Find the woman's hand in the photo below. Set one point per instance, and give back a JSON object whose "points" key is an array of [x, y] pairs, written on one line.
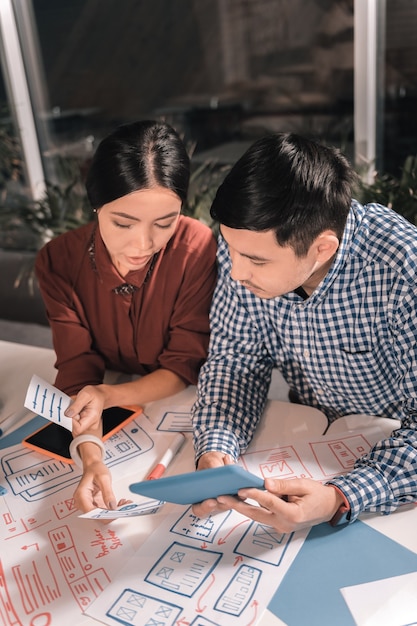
{"points": [[86, 409], [88, 405], [95, 489]]}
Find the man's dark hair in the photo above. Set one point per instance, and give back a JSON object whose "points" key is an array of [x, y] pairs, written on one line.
{"points": [[289, 184], [137, 156]]}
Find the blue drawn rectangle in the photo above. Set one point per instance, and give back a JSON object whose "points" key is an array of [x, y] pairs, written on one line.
{"points": [[202, 529], [263, 543], [203, 621], [239, 591], [182, 569], [138, 609], [33, 477], [176, 421]]}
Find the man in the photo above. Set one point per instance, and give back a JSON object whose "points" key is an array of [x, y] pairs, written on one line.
{"points": [[324, 289]]}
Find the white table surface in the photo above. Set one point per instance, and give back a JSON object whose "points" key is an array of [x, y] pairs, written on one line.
{"points": [[19, 362]]}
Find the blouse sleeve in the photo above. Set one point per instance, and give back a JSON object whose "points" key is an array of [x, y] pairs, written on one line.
{"points": [[186, 349], [77, 363]]}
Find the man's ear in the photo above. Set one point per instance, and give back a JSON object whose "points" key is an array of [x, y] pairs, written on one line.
{"points": [[326, 245]]}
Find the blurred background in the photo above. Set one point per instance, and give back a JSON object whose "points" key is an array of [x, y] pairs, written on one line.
{"points": [[222, 72]]}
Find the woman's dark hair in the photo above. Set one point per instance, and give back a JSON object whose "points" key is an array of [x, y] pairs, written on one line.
{"points": [[289, 184], [138, 156]]}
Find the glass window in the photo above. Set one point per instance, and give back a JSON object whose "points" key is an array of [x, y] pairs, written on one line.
{"points": [[12, 175], [10, 154], [400, 118], [222, 72]]}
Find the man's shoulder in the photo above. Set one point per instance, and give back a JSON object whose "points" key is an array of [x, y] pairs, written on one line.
{"points": [[379, 229], [388, 238], [381, 218]]}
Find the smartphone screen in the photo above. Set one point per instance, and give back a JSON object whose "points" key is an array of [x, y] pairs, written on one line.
{"points": [[54, 440]]}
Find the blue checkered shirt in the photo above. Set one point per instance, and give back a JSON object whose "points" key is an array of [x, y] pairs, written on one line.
{"points": [[349, 348]]}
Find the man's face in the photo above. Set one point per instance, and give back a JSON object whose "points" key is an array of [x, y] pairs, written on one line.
{"points": [[267, 269]]}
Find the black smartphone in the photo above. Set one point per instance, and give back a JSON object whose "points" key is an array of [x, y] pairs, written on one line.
{"points": [[54, 440]]}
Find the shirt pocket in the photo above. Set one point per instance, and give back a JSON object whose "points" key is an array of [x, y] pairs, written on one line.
{"points": [[358, 365], [358, 339]]}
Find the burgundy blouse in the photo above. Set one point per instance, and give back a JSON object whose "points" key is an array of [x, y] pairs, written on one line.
{"points": [[156, 317]]}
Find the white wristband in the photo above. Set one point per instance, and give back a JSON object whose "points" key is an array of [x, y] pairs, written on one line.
{"points": [[73, 449]]}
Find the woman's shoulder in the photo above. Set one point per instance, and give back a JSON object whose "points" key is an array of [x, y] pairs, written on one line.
{"points": [[190, 254], [64, 248], [72, 237]]}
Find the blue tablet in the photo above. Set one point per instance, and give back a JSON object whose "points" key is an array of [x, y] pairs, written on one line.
{"points": [[198, 486]]}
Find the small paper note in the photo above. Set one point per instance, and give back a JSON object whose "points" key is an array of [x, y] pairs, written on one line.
{"points": [[48, 402], [127, 510]]}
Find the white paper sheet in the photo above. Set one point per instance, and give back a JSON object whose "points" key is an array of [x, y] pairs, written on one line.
{"points": [[222, 569], [388, 602]]}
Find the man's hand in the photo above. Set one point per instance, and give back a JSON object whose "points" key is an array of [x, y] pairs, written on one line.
{"points": [[207, 461], [286, 505], [214, 459], [86, 409]]}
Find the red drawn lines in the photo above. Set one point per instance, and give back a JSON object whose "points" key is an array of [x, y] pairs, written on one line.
{"points": [[7, 612], [85, 585], [36, 590]]}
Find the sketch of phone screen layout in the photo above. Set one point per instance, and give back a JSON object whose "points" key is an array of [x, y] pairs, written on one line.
{"points": [[34, 477], [54, 440]]}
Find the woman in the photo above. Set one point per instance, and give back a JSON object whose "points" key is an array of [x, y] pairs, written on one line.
{"points": [[128, 292]]}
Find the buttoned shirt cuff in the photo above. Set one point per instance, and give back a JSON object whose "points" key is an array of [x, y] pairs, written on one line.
{"points": [[216, 440], [365, 490], [342, 515]]}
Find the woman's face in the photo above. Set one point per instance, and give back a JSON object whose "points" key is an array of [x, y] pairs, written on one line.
{"points": [[137, 226]]}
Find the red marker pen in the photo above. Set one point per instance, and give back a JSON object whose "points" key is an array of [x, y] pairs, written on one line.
{"points": [[167, 457]]}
